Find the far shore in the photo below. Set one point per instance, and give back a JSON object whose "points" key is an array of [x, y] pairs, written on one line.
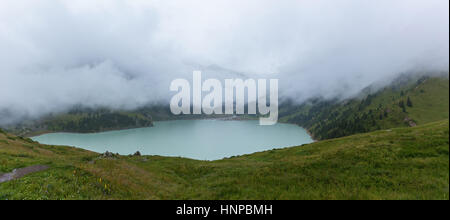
{"points": [[215, 117]]}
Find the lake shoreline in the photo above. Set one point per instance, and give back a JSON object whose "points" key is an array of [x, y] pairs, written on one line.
{"points": [[201, 139], [223, 118]]}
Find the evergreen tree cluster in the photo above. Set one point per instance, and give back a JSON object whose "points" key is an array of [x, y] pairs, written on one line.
{"points": [[99, 121], [333, 119], [327, 119]]}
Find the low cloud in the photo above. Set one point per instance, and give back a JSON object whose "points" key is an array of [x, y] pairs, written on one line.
{"points": [[123, 54]]}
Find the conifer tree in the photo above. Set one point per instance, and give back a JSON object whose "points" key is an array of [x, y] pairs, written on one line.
{"points": [[409, 103]]}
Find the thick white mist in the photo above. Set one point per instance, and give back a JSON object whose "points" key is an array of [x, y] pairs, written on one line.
{"points": [[124, 54]]}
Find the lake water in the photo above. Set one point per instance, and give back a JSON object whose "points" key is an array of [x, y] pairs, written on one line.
{"points": [[197, 139]]}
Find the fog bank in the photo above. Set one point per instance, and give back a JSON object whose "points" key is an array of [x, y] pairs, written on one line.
{"points": [[124, 54]]}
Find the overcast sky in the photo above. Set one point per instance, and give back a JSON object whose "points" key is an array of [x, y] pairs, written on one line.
{"points": [[123, 54]]}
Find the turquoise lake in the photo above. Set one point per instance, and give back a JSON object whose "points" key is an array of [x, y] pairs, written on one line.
{"points": [[196, 139]]}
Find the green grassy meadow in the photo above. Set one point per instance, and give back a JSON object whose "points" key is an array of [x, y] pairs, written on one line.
{"points": [[399, 163]]}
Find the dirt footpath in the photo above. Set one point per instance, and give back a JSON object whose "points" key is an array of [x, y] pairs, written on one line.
{"points": [[17, 173]]}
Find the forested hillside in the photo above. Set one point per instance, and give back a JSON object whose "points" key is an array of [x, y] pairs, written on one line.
{"points": [[405, 103], [87, 120], [84, 121]]}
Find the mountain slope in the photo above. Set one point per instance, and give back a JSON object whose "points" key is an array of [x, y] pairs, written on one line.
{"points": [[401, 163], [88, 120], [404, 103], [83, 121]]}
